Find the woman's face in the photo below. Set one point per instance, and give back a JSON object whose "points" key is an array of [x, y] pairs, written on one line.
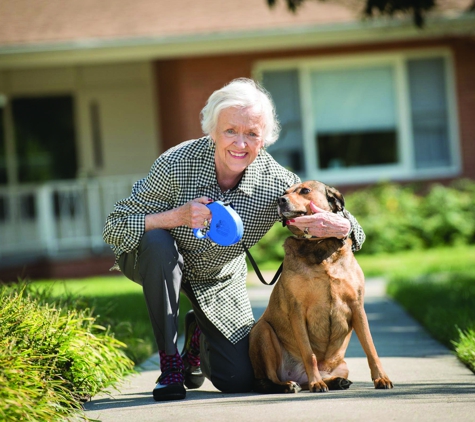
{"points": [[238, 137]]}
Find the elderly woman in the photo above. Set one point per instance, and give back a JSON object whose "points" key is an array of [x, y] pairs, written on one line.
{"points": [[152, 237]]}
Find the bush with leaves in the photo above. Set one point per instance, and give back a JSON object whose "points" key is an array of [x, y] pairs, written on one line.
{"points": [[52, 358], [390, 217]]}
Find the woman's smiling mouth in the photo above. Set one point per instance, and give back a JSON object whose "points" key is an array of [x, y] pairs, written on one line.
{"points": [[237, 154]]}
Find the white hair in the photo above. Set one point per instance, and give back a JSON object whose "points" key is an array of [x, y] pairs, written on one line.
{"points": [[241, 92]]}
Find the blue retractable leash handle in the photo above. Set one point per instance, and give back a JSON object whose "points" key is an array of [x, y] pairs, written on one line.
{"points": [[226, 226], [226, 229]]}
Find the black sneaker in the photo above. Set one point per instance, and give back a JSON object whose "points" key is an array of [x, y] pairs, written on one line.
{"points": [[194, 378], [164, 392]]}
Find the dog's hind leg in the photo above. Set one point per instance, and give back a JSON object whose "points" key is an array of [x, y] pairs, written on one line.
{"points": [[337, 383], [266, 358], [337, 379]]}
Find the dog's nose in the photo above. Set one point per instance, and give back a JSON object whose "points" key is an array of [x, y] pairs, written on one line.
{"points": [[282, 200]]}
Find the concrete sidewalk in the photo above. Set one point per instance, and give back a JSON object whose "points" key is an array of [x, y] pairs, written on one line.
{"points": [[430, 383]]}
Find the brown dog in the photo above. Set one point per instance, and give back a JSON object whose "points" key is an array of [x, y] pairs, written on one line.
{"points": [[301, 339]]}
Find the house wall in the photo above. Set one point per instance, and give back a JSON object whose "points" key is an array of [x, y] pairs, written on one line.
{"points": [[464, 52], [185, 84], [125, 99]]}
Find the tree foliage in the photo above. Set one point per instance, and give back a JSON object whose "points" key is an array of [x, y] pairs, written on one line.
{"points": [[417, 9]]}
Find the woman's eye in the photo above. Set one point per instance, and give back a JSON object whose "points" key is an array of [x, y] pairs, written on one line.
{"points": [[230, 131], [304, 191]]}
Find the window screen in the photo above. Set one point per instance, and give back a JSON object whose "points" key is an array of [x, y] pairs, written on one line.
{"points": [[355, 117], [428, 101], [284, 89]]}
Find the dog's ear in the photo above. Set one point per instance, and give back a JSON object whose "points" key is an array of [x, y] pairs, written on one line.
{"points": [[335, 199]]}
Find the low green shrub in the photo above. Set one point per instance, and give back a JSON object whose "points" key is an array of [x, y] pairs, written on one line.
{"points": [[52, 357], [390, 216], [465, 348]]}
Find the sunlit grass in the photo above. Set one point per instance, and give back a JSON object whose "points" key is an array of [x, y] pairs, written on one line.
{"points": [[413, 262], [119, 303], [407, 262], [444, 304]]}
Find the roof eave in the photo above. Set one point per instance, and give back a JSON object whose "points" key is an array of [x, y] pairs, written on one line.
{"points": [[216, 43]]}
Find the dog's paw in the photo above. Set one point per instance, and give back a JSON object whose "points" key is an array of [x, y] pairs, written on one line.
{"points": [[318, 387], [293, 387], [338, 383], [383, 383]]}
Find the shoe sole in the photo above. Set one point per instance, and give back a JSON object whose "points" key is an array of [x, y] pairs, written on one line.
{"points": [[193, 381], [170, 393]]}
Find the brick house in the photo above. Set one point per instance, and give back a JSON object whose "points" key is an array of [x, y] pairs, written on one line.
{"points": [[91, 92]]}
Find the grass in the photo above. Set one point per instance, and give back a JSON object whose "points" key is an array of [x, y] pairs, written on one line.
{"points": [[425, 261], [428, 261], [444, 304]]}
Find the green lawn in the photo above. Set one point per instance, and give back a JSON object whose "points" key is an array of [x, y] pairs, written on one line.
{"points": [[460, 258], [120, 304], [117, 302]]}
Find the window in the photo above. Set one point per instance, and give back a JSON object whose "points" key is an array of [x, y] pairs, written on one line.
{"points": [[3, 158], [429, 115], [365, 119], [284, 87]]}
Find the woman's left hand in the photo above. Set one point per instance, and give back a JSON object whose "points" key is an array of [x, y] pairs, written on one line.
{"points": [[322, 223]]}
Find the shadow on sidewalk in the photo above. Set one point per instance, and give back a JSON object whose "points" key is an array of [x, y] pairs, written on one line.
{"points": [[360, 390]]}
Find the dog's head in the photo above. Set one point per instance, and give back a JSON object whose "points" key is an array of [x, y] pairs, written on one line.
{"points": [[296, 201]]}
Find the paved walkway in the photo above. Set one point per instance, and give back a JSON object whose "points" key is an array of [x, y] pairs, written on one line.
{"points": [[430, 383]]}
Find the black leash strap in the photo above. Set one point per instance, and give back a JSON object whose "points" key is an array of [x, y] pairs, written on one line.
{"points": [[256, 268]]}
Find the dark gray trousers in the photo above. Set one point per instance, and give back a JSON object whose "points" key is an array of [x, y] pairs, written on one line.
{"points": [[159, 271]]}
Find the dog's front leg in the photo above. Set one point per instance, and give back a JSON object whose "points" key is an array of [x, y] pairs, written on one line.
{"points": [[361, 327], [299, 329]]}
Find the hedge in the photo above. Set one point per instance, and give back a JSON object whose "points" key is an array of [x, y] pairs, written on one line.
{"points": [[52, 357]]}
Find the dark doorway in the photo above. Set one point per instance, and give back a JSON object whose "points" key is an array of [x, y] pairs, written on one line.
{"points": [[3, 155], [45, 138]]}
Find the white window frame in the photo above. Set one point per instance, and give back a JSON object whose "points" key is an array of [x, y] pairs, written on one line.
{"points": [[405, 169]]}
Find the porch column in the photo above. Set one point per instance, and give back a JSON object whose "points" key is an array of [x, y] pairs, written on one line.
{"points": [[94, 204], [47, 219]]}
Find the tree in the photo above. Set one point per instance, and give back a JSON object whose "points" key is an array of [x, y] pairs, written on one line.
{"points": [[370, 8]]}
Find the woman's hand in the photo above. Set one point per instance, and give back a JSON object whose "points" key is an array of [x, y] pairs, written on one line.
{"points": [[322, 223], [194, 214]]}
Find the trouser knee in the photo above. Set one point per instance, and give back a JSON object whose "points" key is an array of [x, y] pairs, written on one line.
{"points": [[158, 247], [234, 382], [226, 365]]}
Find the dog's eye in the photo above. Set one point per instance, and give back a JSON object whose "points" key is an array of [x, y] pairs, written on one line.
{"points": [[304, 191]]}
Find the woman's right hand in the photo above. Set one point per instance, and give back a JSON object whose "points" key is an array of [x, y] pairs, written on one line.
{"points": [[196, 214]]}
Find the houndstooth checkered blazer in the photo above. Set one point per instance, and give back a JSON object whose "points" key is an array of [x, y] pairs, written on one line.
{"points": [[217, 274]]}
